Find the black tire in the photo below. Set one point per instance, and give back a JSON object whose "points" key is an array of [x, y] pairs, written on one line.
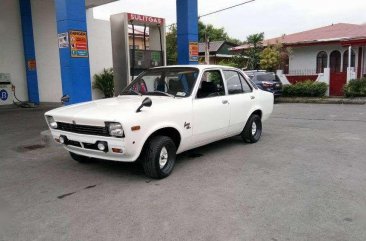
{"points": [[80, 158], [247, 134], [151, 157]]}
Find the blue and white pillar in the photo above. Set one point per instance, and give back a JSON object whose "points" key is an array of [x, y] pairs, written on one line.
{"points": [[75, 71], [187, 29], [29, 51]]}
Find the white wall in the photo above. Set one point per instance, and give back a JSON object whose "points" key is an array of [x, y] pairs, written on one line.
{"points": [[100, 47], [304, 58], [47, 53], [11, 46]]}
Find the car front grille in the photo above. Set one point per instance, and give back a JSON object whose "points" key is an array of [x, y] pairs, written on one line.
{"points": [[83, 129]]}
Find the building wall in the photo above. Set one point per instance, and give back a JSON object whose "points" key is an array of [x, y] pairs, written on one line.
{"points": [[303, 59], [47, 54], [11, 46], [100, 47]]}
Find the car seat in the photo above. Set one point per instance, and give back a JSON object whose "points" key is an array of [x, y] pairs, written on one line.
{"points": [[207, 88]]}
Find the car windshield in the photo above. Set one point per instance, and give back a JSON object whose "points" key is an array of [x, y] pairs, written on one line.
{"points": [[164, 81]]}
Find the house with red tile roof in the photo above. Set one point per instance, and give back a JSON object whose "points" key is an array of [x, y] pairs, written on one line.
{"points": [[333, 54]]}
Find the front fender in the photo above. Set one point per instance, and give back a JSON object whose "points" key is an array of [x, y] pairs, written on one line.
{"points": [[153, 129]]}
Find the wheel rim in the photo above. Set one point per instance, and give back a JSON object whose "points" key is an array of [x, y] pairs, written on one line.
{"points": [[163, 158], [254, 128]]}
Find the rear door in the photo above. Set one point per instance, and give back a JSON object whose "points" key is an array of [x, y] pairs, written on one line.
{"points": [[241, 100], [210, 109]]}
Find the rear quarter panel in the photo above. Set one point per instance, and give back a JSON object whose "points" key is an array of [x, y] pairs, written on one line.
{"points": [[264, 102]]}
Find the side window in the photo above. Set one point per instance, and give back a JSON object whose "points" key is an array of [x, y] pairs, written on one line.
{"points": [[234, 85], [246, 87], [211, 84]]}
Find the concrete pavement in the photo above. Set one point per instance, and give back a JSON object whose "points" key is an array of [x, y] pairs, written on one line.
{"points": [[305, 180]]}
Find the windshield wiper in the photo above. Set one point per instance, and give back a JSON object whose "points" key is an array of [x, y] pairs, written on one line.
{"points": [[161, 92], [130, 91]]}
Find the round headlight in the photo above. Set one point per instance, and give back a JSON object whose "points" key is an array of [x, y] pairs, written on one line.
{"points": [[115, 129], [51, 122]]}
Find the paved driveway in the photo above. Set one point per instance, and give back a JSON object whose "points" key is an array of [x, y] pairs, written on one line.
{"points": [[305, 180]]}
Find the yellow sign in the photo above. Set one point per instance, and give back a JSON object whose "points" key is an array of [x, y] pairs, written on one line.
{"points": [[78, 44]]}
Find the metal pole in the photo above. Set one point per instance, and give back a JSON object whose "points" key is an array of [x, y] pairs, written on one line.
{"points": [[133, 51], [145, 37]]}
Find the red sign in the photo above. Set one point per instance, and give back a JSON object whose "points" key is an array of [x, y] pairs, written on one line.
{"points": [[81, 46], [145, 19]]}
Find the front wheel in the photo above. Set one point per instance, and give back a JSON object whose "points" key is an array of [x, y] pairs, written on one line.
{"points": [[253, 129], [158, 159]]}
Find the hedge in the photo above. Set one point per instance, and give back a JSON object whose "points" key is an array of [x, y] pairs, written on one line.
{"points": [[306, 88], [355, 88]]}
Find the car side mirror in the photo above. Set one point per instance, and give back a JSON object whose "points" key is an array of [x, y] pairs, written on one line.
{"points": [[145, 103], [65, 99]]}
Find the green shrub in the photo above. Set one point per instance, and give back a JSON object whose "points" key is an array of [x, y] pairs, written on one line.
{"points": [[355, 88], [307, 88], [104, 82]]}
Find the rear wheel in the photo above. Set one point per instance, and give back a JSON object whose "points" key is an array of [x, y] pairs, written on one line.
{"points": [[253, 129], [159, 156], [80, 158]]}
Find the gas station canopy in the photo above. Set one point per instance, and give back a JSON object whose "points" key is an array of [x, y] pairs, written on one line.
{"points": [[96, 3]]}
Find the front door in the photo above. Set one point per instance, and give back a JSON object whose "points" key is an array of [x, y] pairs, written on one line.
{"points": [[337, 82], [210, 109], [337, 78]]}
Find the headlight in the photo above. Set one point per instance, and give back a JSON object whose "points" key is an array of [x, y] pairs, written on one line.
{"points": [[115, 129], [51, 122]]}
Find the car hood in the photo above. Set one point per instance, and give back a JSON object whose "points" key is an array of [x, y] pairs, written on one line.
{"points": [[111, 109]]}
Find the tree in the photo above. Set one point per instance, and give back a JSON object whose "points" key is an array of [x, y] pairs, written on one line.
{"points": [[274, 57], [214, 34], [270, 58], [171, 45], [255, 44]]}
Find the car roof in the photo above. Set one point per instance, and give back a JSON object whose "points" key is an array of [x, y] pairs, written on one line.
{"points": [[198, 66], [264, 73]]}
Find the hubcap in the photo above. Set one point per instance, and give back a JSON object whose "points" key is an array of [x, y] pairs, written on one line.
{"points": [[254, 128], [163, 159]]}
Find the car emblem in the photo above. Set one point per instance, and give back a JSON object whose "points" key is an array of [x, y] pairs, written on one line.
{"points": [[187, 125]]}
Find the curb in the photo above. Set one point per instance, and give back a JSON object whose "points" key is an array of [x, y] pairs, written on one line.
{"points": [[310, 100]]}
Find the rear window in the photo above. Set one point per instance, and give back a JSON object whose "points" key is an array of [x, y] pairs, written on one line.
{"points": [[266, 77]]}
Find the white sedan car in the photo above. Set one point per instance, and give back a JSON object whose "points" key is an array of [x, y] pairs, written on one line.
{"points": [[163, 112]]}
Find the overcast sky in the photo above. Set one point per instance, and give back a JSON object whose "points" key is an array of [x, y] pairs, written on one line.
{"points": [[273, 17]]}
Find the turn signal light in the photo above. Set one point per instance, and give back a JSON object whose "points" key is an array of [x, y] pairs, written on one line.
{"points": [[135, 128], [117, 150]]}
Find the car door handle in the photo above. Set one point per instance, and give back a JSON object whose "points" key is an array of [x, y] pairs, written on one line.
{"points": [[225, 102], [252, 97]]}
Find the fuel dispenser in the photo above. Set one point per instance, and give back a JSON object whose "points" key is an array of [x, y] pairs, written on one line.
{"points": [[6, 90], [129, 62]]}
